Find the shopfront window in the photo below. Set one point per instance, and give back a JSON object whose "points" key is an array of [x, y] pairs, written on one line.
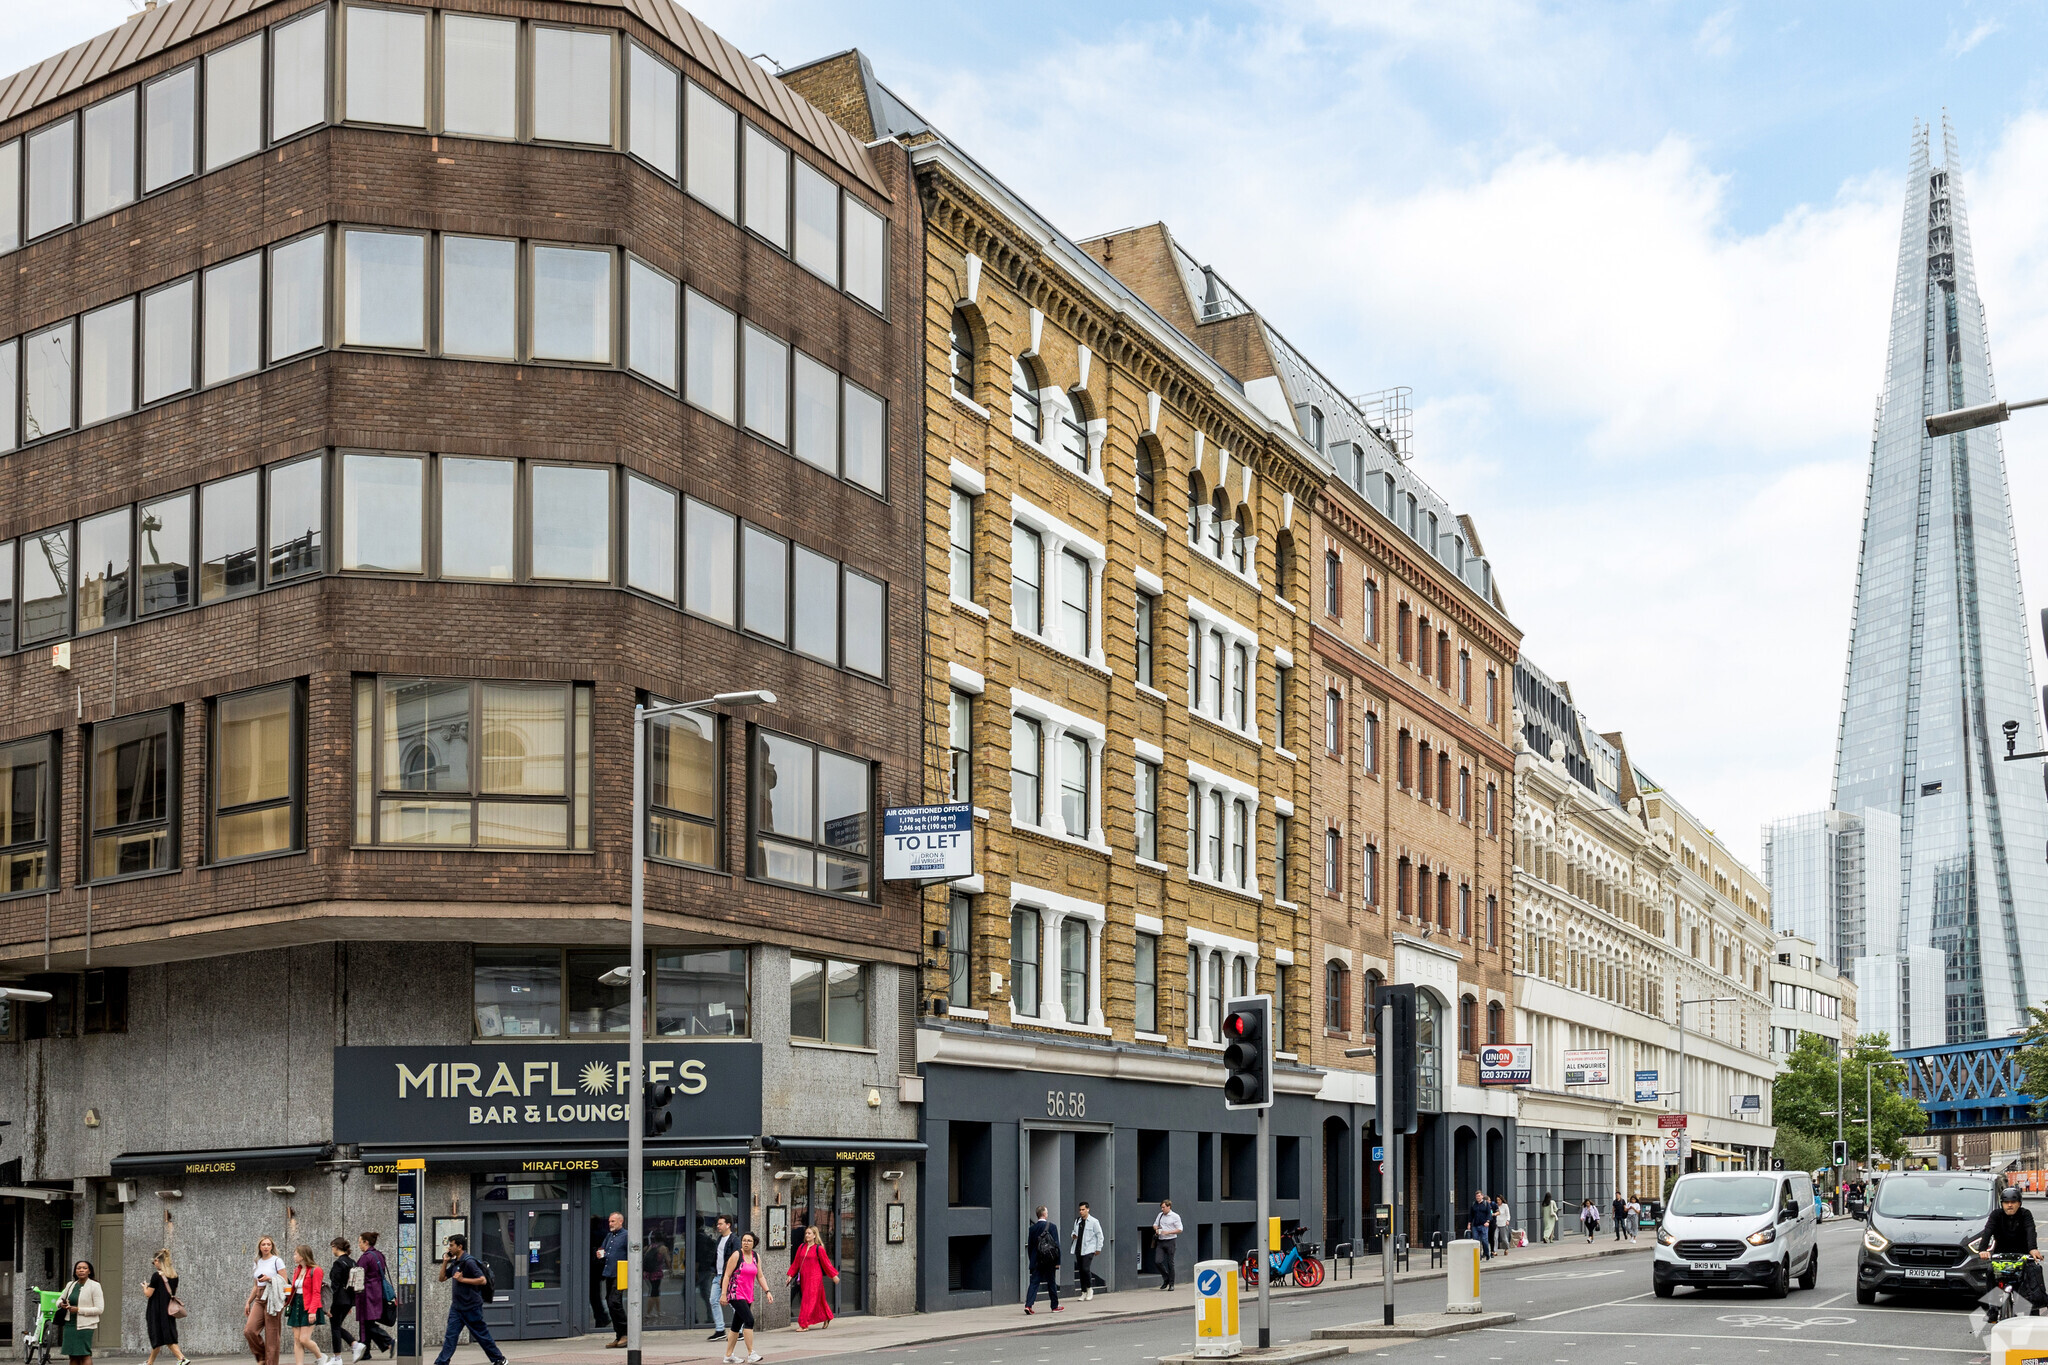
{"points": [[518, 992], [701, 994], [828, 1198], [1429, 1094], [828, 1001], [679, 1270], [597, 1005]]}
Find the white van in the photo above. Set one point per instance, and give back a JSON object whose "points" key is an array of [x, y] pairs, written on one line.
{"points": [[1738, 1228]]}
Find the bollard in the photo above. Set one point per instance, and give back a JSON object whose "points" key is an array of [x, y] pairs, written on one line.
{"points": [[1461, 1293], [1216, 1309], [2017, 1341]]}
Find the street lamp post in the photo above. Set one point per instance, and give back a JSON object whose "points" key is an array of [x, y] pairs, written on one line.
{"points": [[1983, 415], [635, 974], [1700, 1000]]}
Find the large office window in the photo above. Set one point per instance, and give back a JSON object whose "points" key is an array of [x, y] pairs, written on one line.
{"points": [[383, 500], [683, 786], [828, 1001], [653, 322], [169, 343], [46, 577], [713, 137], [10, 195], [385, 57], [107, 164], [298, 296], [572, 85], [701, 994], [479, 75], [298, 74], [816, 437], [814, 605], [1026, 943], [384, 289], [479, 296], [296, 508], [10, 391], [710, 355], [103, 570], [653, 111], [572, 303], [651, 538], [812, 812], [7, 596], [133, 795], [164, 553], [256, 777], [52, 177], [1027, 564], [766, 174], [234, 102], [867, 255], [816, 242], [572, 522], [1027, 767], [863, 439], [767, 385], [764, 584], [170, 124], [477, 510], [455, 761], [47, 358], [28, 792], [106, 362], [710, 553]]}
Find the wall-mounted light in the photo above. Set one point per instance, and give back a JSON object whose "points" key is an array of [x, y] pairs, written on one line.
{"points": [[282, 1189], [170, 1194]]}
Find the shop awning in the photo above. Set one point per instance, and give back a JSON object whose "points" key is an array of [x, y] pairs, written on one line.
{"points": [[847, 1149], [538, 1157], [225, 1161], [1711, 1150]]}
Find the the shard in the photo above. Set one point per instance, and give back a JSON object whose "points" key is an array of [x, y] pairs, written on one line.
{"points": [[1938, 658]]}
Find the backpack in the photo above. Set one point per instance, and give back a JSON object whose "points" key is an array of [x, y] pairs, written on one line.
{"points": [[489, 1291], [1045, 1247]]}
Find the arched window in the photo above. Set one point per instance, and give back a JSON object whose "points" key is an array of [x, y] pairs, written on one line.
{"points": [[1219, 523], [1198, 498], [1148, 480], [1373, 982], [1073, 434], [1336, 992], [1283, 563], [1496, 1024], [1468, 1024], [1429, 1018], [960, 357], [1333, 585], [1240, 545], [1333, 720], [1026, 419]]}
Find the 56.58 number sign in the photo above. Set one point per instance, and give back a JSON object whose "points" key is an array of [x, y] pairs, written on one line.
{"points": [[1066, 1104]]}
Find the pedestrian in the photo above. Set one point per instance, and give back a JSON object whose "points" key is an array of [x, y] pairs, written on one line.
{"points": [[308, 1306], [1620, 1215], [1549, 1233], [1479, 1223], [376, 1307], [1589, 1217], [263, 1311], [159, 1293], [1166, 1227], [611, 1254], [1086, 1243], [715, 1272], [1635, 1216], [84, 1300], [1042, 1251], [742, 1281], [465, 1303], [809, 1268], [654, 1265], [1503, 1218], [341, 1300]]}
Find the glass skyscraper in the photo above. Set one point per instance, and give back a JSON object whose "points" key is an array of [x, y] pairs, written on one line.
{"points": [[1938, 657]]}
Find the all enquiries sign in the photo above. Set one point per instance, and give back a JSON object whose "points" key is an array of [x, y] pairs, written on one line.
{"points": [[928, 843], [1585, 1066]]}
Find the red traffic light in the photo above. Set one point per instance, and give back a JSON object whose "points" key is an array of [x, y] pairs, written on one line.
{"points": [[1241, 1027]]}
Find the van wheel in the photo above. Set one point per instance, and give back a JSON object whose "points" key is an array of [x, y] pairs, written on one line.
{"points": [[1780, 1283], [1864, 1296], [1663, 1288], [1811, 1274]]}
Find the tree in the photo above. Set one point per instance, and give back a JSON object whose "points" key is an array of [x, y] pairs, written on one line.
{"points": [[2031, 1061], [1798, 1151], [1803, 1096]]}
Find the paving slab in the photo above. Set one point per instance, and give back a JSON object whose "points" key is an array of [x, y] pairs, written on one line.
{"points": [[1413, 1325], [1290, 1354]]}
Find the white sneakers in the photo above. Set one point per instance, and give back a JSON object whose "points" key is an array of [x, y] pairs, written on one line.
{"points": [[360, 1347]]}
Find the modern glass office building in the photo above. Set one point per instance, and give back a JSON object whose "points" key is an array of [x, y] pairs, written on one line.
{"points": [[1938, 657]]}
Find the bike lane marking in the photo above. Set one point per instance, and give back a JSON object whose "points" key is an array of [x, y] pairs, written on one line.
{"points": [[1612, 1303]]}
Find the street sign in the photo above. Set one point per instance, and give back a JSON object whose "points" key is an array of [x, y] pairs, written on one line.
{"points": [[1671, 1120], [1670, 1149], [1216, 1309], [1585, 1066], [1646, 1087], [1745, 1104], [1507, 1063], [927, 843]]}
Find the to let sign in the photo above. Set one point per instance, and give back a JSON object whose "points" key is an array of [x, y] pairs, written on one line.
{"points": [[928, 843]]}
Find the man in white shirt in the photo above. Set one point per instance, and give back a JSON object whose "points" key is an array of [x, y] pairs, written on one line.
{"points": [[718, 1256], [1087, 1241], [1166, 1235]]}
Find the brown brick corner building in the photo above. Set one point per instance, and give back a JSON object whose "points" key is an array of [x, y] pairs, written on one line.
{"points": [[391, 397]]}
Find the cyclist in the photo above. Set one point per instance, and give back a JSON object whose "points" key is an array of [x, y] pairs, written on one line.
{"points": [[2010, 1233]]}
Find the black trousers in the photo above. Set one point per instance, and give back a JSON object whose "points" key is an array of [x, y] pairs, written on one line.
{"points": [[339, 1337], [374, 1333], [1162, 1251], [615, 1305], [1083, 1271]]}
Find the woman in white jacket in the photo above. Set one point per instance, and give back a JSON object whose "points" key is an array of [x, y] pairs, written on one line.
{"points": [[84, 1301]]}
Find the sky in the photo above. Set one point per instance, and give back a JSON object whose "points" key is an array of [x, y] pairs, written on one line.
{"points": [[1635, 261]]}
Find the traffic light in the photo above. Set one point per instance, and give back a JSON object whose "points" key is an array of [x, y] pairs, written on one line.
{"points": [[1248, 1053], [1841, 1152], [654, 1113], [1395, 1061]]}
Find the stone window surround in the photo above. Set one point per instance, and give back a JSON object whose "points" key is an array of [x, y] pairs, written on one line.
{"points": [[1056, 722], [1056, 537], [1224, 950], [1207, 619], [1207, 781], [1054, 910]]}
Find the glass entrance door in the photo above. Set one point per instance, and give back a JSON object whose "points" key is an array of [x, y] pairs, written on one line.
{"points": [[679, 1213], [517, 1233], [829, 1199]]}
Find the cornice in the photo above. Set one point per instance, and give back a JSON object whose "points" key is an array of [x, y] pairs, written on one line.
{"points": [[1425, 577]]}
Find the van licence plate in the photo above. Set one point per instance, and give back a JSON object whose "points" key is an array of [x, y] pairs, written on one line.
{"points": [[1709, 1265], [1917, 1274]]}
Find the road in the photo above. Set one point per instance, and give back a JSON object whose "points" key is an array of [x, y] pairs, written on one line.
{"points": [[1578, 1313]]}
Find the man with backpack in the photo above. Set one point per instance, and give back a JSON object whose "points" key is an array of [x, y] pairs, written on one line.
{"points": [[1042, 1250], [469, 1292]]}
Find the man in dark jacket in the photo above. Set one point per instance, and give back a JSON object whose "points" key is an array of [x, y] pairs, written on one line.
{"points": [[2010, 1233], [465, 1302], [1479, 1223], [1042, 1253], [611, 1254], [1620, 1215]]}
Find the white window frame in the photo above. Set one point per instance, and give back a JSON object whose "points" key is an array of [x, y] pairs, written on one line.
{"points": [[1055, 537], [1212, 621], [1056, 723], [1054, 910], [1210, 785]]}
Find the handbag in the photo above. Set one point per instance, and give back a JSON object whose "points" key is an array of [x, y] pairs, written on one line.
{"points": [[174, 1307]]}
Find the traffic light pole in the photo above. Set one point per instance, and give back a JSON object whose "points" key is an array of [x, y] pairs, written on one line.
{"points": [[636, 1048], [1390, 1143], [1265, 1228]]}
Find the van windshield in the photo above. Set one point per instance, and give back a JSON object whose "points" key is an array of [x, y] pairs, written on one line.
{"points": [[1934, 1196], [1725, 1197]]}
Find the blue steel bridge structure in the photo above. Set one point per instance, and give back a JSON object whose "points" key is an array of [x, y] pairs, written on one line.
{"points": [[1971, 1087]]}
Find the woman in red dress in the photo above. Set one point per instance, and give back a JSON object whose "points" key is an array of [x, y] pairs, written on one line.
{"points": [[808, 1271]]}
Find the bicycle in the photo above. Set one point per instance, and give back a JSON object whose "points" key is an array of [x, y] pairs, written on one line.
{"points": [[1298, 1260], [39, 1344], [2004, 1299]]}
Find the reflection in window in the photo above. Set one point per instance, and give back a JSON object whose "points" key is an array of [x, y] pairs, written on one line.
{"points": [[382, 512], [572, 530], [298, 74], [164, 541], [518, 992], [384, 288], [234, 102], [714, 151], [103, 570], [387, 66], [26, 801], [767, 362], [653, 96], [10, 394], [811, 815], [228, 557], [1428, 1055], [709, 557], [650, 538], [867, 256], [682, 788], [108, 163], [46, 585], [597, 1005], [572, 303], [134, 791], [1025, 943], [47, 367], [255, 773], [479, 295], [816, 244], [814, 599], [169, 144], [651, 330], [298, 296], [167, 339], [297, 517], [52, 177], [572, 86], [816, 438], [106, 362], [701, 994], [764, 584], [479, 75], [865, 453], [866, 608], [476, 517], [233, 316], [828, 1001], [767, 185], [708, 349]]}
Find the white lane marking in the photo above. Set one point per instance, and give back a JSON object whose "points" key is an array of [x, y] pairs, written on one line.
{"points": [[1611, 1303], [1825, 1302], [1729, 1336], [1574, 1274]]}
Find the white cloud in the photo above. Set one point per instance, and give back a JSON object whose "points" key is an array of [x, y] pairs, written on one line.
{"points": [[1716, 36], [1959, 43]]}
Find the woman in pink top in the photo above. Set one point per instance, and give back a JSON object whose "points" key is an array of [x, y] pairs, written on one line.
{"points": [[742, 1282]]}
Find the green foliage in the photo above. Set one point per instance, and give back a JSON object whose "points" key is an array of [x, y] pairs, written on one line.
{"points": [[1798, 1151], [1805, 1092], [2032, 1059]]}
